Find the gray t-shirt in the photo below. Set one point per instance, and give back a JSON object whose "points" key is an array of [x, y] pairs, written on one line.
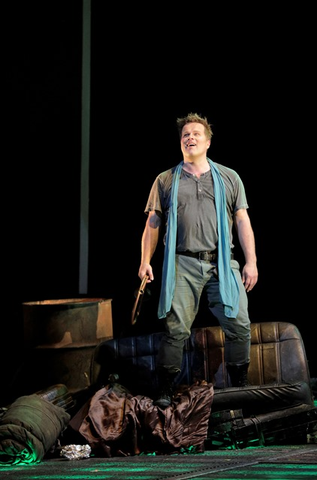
{"points": [[196, 213]]}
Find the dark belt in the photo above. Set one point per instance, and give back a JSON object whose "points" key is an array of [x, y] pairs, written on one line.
{"points": [[205, 256]]}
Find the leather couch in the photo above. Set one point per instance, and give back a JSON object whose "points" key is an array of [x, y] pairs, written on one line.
{"points": [[279, 376]]}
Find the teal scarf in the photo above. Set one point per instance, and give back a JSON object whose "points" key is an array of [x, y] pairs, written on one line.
{"points": [[228, 286]]}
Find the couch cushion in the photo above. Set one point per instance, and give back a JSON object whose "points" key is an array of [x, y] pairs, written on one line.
{"points": [[278, 359]]}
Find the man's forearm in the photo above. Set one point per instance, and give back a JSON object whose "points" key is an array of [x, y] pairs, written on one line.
{"points": [[149, 242]]}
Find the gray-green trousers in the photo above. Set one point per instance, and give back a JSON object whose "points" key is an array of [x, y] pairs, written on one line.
{"points": [[193, 277]]}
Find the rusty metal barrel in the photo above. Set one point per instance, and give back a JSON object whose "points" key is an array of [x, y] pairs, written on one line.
{"points": [[60, 337]]}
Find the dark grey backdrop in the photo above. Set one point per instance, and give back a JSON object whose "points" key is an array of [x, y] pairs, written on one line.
{"points": [[253, 79]]}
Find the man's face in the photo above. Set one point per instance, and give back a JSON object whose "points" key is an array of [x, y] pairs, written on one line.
{"points": [[194, 141]]}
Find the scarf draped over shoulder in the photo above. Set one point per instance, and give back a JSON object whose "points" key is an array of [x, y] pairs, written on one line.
{"points": [[228, 286]]}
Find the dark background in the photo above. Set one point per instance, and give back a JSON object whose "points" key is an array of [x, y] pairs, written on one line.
{"points": [[250, 72]]}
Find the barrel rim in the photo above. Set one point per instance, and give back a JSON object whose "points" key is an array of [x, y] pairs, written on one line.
{"points": [[66, 301]]}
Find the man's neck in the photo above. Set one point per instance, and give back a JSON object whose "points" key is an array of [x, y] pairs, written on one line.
{"points": [[196, 166]]}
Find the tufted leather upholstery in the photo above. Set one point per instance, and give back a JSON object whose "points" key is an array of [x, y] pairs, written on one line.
{"points": [[279, 376]]}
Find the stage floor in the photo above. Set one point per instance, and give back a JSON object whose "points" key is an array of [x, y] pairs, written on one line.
{"points": [[297, 462]]}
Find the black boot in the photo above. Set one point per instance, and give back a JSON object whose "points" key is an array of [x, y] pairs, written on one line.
{"points": [[165, 395], [238, 375]]}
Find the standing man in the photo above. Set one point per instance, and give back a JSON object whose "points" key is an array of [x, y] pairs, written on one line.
{"points": [[197, 203]]}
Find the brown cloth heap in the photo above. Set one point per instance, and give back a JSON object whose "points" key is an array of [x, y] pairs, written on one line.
{"points": [[116, 423]]}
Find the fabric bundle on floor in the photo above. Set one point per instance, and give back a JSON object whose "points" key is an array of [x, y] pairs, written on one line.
{"points": [[29, 429], [116, 423]]}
